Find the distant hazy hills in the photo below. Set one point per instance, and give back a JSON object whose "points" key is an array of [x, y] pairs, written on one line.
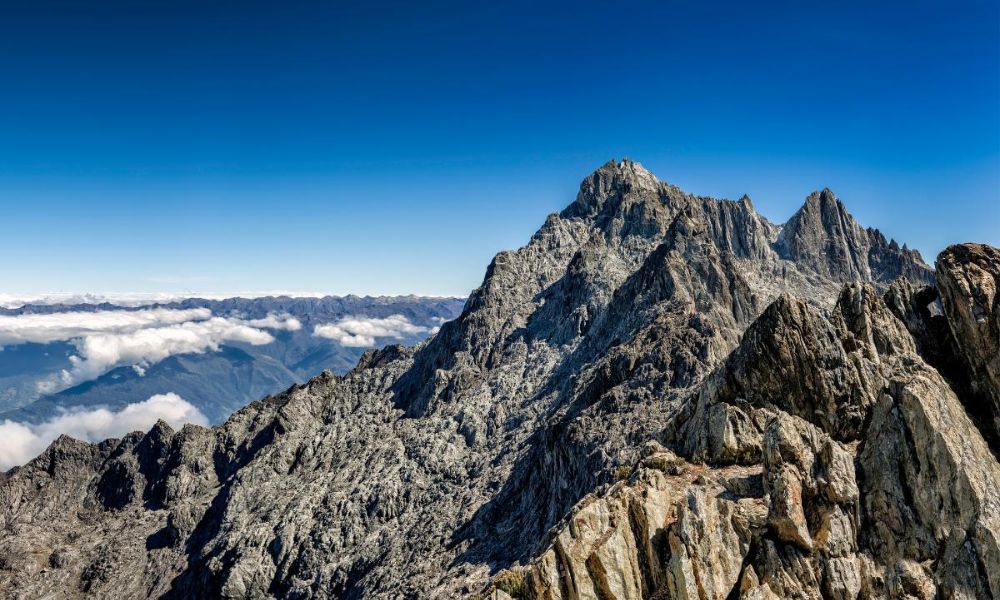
{"points": [[217, 355]]}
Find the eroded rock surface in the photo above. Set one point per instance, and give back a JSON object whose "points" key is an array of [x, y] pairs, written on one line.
{"points": [[969, 283], [659, 396], [874, 480]]}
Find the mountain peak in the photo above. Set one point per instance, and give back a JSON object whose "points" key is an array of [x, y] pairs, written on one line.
{"points": [[822, 197], [610, 180], [824, 236]]}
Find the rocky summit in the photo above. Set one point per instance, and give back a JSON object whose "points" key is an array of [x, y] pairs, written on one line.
{"points": [[661, 395]]}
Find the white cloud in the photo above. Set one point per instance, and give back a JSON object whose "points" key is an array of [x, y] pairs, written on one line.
{"points": [[100, 353], [20, 442], [286, 322], [107, 339], [68, 325], [361, 331]]}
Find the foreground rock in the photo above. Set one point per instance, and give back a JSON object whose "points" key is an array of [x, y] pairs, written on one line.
{"points": [[660, 395], [969, 284], [872, 479]]}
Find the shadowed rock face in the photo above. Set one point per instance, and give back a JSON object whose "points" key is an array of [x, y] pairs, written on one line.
{"points": [[660, 395], [969, 284]]}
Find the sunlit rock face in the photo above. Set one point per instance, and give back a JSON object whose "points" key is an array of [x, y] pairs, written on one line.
{"points": [[659, 396]]}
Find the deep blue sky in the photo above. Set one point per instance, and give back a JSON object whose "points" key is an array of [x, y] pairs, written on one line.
{"points": [[394, 147]]}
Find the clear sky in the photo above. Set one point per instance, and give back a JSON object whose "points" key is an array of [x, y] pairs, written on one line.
{"points": [[394, 147]]}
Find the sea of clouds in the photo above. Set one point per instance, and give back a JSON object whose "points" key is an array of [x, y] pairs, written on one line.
{"points": [[108, 339], [104, 340], [21, 442]]}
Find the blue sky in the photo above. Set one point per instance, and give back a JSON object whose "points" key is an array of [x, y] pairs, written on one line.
{"points": [[394, 147]]}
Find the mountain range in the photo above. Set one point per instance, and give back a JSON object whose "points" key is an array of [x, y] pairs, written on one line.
{"points": [[660, 395]]}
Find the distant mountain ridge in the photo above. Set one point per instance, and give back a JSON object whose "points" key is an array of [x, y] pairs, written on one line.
{"points": [[329, 305]]}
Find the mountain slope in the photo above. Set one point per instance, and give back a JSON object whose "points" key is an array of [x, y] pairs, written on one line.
{"points": [[639, 314]]}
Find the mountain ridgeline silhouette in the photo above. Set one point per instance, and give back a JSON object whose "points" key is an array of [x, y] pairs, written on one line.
{"points": [[660, 395]]}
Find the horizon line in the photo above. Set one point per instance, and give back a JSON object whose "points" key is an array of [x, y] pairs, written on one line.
{"points": [[14, 301]]}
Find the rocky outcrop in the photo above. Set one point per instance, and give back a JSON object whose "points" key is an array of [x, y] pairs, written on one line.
{"points": [[872, 479], [660, 395], [930, 497], [969, 284], [673, 528]]}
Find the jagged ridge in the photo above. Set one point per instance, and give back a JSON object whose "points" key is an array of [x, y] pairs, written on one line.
{"points": [[424, 471]]}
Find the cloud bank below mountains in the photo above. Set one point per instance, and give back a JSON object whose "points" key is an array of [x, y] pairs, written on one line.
{"points": [[359, 331], [21, 442], [102, 352], [108, 339], [45, 328]]}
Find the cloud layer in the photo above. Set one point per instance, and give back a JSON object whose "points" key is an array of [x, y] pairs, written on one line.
{"points": [[361, 331], [20, 442], [288, 323], [63, 326], [100, 353], [107, 339]]}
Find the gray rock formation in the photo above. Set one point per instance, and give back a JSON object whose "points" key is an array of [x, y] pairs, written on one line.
{"points": [[825, 237], [659, 396], [871, 479], [969, 284]]}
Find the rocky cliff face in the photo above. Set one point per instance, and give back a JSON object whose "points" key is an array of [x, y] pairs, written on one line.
{"points": [[824, 459], [660, 395], [969, 285]]}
